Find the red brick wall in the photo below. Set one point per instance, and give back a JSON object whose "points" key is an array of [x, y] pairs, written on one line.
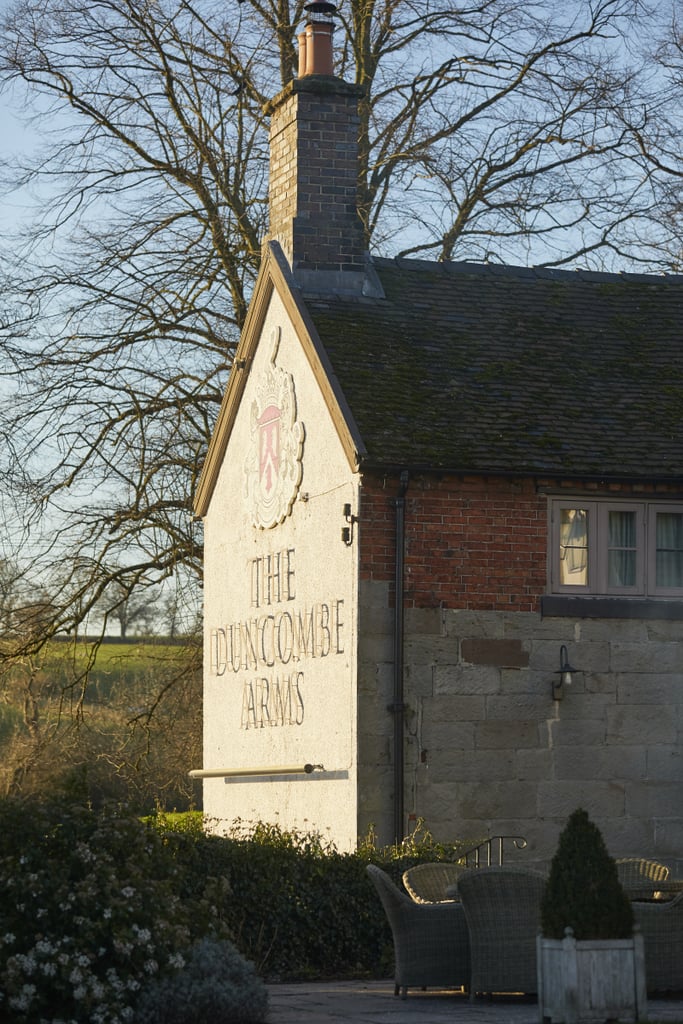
{"points": [[471, 542]]}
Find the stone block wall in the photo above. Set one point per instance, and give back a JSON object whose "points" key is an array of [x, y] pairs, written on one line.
{"points": [[487, 749]]}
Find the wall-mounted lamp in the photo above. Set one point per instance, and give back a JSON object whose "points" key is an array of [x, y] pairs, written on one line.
{"points": [[565, 675], [347, 531]]}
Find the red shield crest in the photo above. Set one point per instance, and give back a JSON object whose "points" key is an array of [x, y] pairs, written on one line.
{"points": [[269, 448]]}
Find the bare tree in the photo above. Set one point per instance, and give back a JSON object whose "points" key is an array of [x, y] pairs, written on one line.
{"points": [[130, 608], [658, 240], [11, 592], [507, 124]]}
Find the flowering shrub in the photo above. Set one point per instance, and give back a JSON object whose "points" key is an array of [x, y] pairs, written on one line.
{"points": [[216, 984], [89, 913]]}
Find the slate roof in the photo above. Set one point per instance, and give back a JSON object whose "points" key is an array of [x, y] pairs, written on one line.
{"points": [[487, 368]]}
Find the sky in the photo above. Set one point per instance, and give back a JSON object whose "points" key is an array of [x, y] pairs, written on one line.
{"points": [[15, 139]]}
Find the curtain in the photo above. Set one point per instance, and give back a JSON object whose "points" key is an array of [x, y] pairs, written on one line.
{"points": [[669, 545], [621, 558], [574, 547]]}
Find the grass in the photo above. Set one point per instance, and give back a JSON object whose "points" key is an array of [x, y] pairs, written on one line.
{"points": [[110, 667]]}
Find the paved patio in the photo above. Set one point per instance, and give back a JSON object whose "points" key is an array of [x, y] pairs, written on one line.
{"points": [[373, 1002]]}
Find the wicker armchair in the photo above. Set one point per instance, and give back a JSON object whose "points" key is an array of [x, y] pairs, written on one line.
{"points": [[503, 910], [637, 876], [427, 883], [431, 942], [661, 925]]}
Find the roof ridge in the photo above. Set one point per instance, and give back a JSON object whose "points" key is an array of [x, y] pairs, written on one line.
{"points": [[455, 267]]}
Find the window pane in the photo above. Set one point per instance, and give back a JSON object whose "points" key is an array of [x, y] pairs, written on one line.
{"points": [[574, 547], [621, 554], [669, 541]]}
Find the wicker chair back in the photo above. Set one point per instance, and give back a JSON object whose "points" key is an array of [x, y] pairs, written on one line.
{"points": [[637, 875], [503, 910], [427, 883], [431, 941], [661, 925]]}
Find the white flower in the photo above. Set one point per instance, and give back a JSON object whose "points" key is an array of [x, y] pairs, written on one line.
{"points": [[85, 853], [106, 913], [23, 1000], [97, 988], [8, 937], [27, 963], [128, 891], [151, 966], [80, 992], [176, 960], [114, 981], [49, 969]]}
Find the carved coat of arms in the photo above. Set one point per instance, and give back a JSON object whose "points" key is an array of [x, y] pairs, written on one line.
{"points": [[273, 468]]}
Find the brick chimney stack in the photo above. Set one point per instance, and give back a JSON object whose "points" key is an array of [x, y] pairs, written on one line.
{"points": [[313, 195]]}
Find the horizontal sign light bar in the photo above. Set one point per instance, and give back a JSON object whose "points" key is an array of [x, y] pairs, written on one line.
{"points": [[226, 773]]}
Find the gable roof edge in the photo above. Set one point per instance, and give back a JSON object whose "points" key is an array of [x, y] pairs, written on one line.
{"points": [[275, 275]]}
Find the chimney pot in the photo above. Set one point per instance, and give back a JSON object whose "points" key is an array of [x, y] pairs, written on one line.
{"points": [[318, 45], [315, 43], [302, 54]]}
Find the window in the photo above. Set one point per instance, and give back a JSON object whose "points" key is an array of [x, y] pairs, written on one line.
{"points": [[619, 548]]}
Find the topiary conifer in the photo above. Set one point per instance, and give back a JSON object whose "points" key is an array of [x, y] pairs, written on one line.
{"points": [[583, 891]]}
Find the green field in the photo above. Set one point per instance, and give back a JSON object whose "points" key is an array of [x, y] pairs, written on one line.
{"points": [[120, 718]]}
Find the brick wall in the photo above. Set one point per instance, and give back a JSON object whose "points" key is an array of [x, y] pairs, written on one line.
{"points": [[314, 175], [469, 542]]}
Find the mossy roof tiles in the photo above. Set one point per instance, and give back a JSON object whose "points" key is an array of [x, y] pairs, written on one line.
{"points": [[501, 369]]}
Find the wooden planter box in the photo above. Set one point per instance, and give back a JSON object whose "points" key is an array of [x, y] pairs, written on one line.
{"points": [[591, 980]]}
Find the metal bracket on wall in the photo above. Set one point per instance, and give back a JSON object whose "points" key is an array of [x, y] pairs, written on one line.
{"points": [[347, 531]]}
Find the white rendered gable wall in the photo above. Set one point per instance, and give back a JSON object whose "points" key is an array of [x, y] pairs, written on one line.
{"points": [[280, 604]]}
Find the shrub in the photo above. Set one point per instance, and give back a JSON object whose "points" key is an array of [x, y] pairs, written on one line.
{"points": [[293, 904], [96, 906], [216, 984], [583, 891], [91, 912]]}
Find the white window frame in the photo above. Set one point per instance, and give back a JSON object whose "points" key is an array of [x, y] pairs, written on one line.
{"points": [[598, 538], [656, 507]]}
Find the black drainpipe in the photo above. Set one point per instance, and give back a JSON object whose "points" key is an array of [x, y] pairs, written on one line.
{"points": [[398, 707]]}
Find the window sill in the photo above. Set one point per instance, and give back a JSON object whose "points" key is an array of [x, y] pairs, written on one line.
{"points": [[610, 607]]}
